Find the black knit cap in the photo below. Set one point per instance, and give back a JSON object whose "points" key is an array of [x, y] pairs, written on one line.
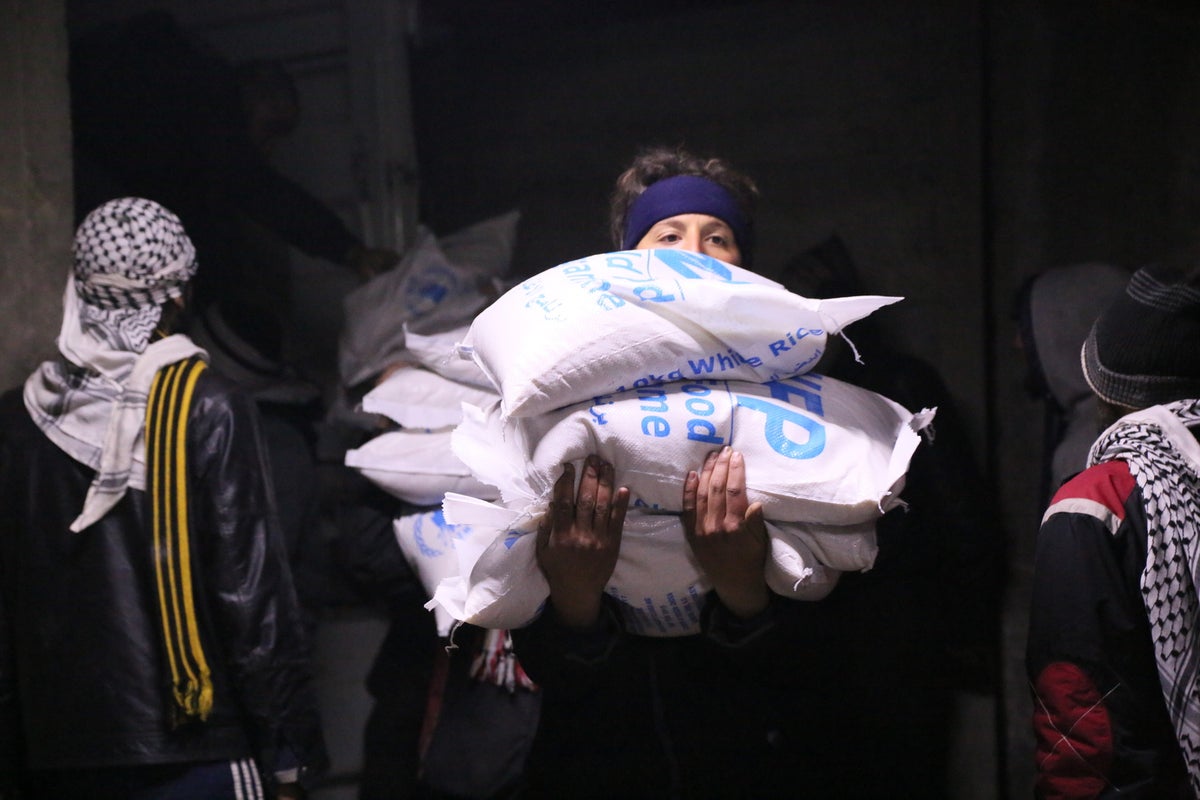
{"points": [[1144, 349]]}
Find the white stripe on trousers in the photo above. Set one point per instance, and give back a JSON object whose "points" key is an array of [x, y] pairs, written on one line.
{"points": [[246, 783]]}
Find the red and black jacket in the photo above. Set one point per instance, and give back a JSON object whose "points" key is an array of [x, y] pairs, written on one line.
{"points": [[1099, 718]]}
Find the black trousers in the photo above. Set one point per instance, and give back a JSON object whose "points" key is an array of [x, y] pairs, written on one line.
{"points": [[210, 780]]}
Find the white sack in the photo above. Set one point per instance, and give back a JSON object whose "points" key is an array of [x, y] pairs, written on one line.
{"points": [[657, 581], [415, 397], [805, 561], [622, 320], [817, 449], [435, 286], [417, 467], [427, 541], [439, 353]]}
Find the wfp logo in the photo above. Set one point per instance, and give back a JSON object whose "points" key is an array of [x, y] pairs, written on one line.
{"points": [[434, 536], [427, 291]]}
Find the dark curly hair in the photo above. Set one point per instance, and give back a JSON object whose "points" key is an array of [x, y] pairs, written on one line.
{"points": [[653, 164]]}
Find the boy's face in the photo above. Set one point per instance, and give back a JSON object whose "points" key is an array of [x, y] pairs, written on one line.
{"points": [[698, 233]]}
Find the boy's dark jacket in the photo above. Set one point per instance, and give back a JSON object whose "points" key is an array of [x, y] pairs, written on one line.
{"points": [[80, 636]]}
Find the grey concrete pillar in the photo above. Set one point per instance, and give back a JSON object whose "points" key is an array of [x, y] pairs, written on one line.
{"points": [[35, 182]]}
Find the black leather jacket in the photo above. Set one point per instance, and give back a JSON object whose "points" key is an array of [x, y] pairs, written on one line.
{"points": [[83, 680]]}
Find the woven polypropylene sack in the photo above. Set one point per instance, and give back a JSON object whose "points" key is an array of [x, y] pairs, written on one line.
{"points": [[817, 449], [657, 582], [417, 467], [436, 285], [415, 397], [427, 541], [623, 320]]}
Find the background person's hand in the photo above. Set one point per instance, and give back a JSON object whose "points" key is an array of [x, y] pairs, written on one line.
{"points": [[290, 791], [579, 539], [726, 533], [371, 261]]}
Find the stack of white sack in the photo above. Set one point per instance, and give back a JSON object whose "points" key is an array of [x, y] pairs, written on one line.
{"points": [[416, 464], [404, 323], [632, 341], [824, 458]]}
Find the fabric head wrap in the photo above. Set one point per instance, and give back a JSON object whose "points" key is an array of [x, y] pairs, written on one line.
{"points": [[1142, 350], [1159, 445], [131, 255], [684, 194]]}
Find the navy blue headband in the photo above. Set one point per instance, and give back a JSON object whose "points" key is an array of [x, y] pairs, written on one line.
{"points": [[683, 194]]}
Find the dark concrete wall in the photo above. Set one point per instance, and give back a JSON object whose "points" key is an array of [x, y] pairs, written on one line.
{"points": [[35, 182]]}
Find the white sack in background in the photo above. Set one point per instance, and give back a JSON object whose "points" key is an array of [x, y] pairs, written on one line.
{"points": [[623, 320], [439, 353], [416, 397], [657, 580], [805, 561], [817, 449], [427, 541], [415, 466], [436, 285]]}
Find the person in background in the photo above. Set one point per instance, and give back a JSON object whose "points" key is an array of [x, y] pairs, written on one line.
{"points": [[289, 408], [691, 716], [151, 643], [452, 717], [399, 677], [1112, 645], [1054, 311], [156, 112], [930, 606]]}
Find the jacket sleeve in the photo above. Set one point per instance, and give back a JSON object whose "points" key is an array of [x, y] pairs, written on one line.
{"points": [[1099, 720], [256, 616], [568, 659], [10, 719], [11, 738], [368, 556], [768, 646]]}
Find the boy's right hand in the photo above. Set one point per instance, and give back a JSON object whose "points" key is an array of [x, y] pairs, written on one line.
{"points": [[579, 539]]}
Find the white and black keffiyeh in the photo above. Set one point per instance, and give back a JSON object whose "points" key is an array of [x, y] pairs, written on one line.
{"points": [[1164, 458], [131, 255]]}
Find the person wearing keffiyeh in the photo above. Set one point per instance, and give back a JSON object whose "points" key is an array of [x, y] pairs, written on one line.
{"points": [[150, 638], [1113, 654]]}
